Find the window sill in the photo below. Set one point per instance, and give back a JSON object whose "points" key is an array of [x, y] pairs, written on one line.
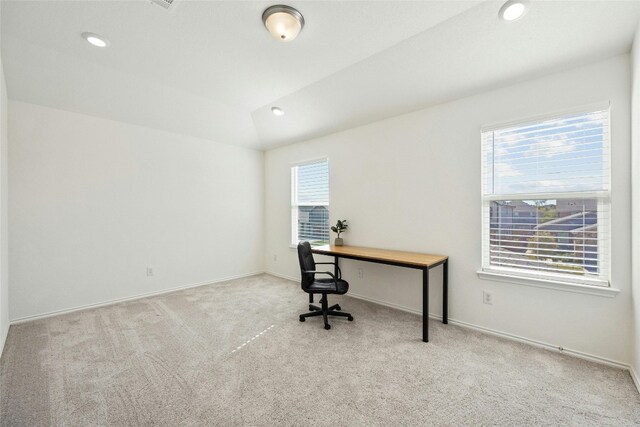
{"points": [[601, 291], [292, 246]]}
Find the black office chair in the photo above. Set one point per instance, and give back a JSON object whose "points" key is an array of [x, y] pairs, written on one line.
{"points": [[311, 285]]}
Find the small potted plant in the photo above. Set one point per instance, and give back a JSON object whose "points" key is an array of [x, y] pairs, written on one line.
{"points": [[340, 227]]}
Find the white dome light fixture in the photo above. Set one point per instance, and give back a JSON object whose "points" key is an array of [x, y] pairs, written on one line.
{"points": [[277, 111], [95, 39], [513, 9], [283, 22]]}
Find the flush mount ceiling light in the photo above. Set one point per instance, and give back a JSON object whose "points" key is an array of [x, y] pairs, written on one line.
{"points": [[277, 111], [513, 9], [283, 22], [95, 39]]}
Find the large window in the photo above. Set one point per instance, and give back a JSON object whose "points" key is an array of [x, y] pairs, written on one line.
{"points": [[310, 202], [546, 198]]}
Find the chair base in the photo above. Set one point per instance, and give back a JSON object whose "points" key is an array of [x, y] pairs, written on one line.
{"points": [[325, 311], [335, 307]]}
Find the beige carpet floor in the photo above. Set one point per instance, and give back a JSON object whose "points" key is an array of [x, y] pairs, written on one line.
{"points": [[234, 354]]}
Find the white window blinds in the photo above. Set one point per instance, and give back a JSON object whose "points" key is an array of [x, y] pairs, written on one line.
{"points": [[310, 202], [546, 198]]}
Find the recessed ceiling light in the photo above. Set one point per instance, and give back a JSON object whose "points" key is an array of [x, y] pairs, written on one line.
{"points": [[283, 22], [277, 111], [513, 9], [95, 39]]}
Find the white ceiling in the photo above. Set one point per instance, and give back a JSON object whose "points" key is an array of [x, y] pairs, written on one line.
{"points": [[210, 69]]}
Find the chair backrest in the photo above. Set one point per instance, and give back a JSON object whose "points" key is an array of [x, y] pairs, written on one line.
{"points": [[306, 264]]}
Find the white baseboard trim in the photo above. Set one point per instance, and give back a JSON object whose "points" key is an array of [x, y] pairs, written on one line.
{"points": [[129, 298], [541, 344], [388, 304], [634, 377], [3, 338], [282, 276]]}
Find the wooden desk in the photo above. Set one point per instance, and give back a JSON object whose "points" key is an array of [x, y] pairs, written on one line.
{"points": [[419, 261]]}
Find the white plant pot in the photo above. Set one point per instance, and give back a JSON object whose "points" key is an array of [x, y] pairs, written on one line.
{"points": [[338, 241]]}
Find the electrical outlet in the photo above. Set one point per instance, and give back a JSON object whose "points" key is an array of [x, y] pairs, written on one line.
{"points": [[360, 273], [149, 271], [487, 298]]}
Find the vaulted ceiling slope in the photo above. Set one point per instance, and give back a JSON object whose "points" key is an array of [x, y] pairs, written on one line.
{"points": [[210, 69]]}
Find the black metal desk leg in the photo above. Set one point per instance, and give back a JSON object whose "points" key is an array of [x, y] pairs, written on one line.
{"points": [[425, 305], [445, 292]]}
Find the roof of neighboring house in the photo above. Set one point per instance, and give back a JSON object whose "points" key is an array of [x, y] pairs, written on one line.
{"points": [[585, 228], [565, 220]]}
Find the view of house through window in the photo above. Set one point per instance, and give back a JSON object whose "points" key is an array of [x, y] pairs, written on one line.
{"points": [[547, 235], [310, 202], [546, 198]]}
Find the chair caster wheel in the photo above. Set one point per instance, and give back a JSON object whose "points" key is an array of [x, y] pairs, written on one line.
{"points": [[338, 308], [302, 319], [327, 327], [350, 318]]}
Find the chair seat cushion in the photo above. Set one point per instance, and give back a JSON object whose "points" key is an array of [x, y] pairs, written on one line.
{"points": [[328, 286]]}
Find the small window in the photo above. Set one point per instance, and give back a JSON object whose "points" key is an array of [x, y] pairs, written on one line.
{"points": [[546, 199], [310, 203]]}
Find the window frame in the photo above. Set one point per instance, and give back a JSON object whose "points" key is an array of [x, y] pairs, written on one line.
{"points": [[597, 286], [294, 192]]}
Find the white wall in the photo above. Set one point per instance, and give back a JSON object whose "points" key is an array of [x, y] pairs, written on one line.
{"points": [[4, 173], [635, 187], [93, 202], [413, 183]]}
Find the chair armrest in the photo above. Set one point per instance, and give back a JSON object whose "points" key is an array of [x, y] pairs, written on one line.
{"points": [[335, 281], [336, 265]]}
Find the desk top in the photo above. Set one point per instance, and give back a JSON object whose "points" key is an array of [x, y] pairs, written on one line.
{"points": [[381, 255]]}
